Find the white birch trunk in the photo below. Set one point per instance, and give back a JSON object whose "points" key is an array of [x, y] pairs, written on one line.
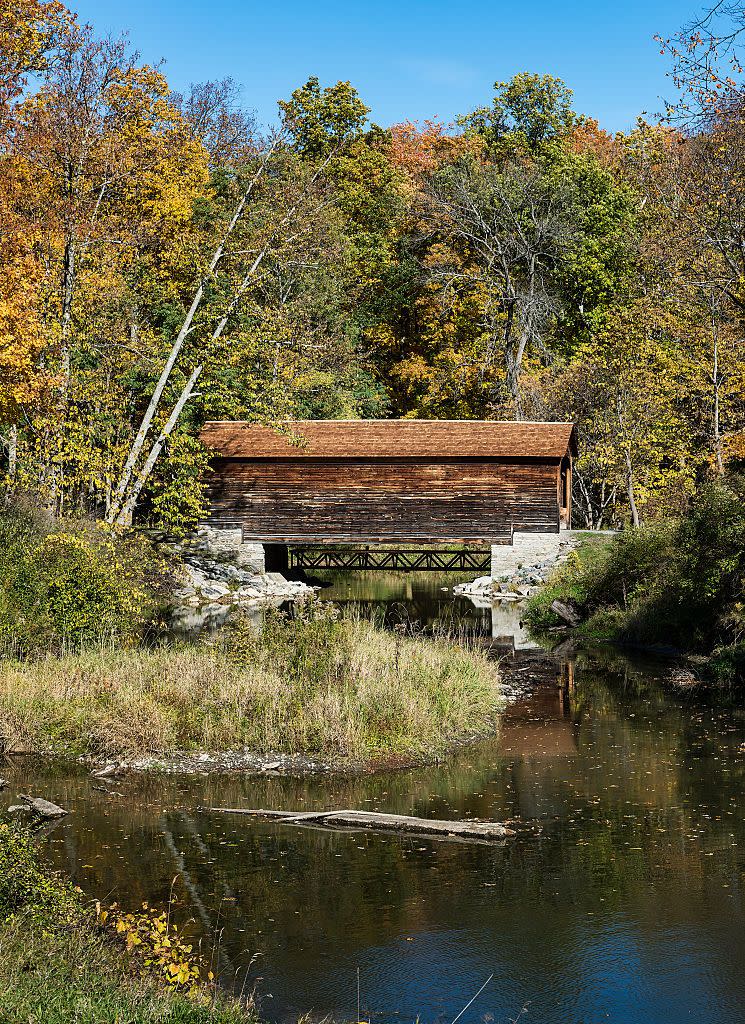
{"points": [[124, 518], [118, 500], [12, 452]]}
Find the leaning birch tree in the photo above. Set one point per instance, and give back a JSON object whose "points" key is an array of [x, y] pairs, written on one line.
{"points": [[293, 218]]}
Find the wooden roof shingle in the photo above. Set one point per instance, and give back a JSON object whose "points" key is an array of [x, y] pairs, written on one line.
{"points": [[385, 439]]}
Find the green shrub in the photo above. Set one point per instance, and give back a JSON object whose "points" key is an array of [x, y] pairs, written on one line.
{"points": [[24, 885], [22, 525], [71, 583], [678, 583]]}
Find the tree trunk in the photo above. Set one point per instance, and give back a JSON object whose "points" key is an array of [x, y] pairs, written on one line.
{"points": [[630, 490], [590, 520], [12, 453], [127, 492], [515, 356], [717, 385], [120, 494], [68, 289], [514, 369], [121, 512], [124, 517]]}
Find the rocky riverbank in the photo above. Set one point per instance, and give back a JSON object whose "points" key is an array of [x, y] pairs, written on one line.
{"points": [[219, 571], [525, 566]]}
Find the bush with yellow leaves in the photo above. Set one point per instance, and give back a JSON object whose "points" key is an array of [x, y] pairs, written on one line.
{"points": [[157, 946]]}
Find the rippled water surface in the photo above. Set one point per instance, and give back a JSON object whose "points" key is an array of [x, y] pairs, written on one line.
{"points": [[628, 907]]}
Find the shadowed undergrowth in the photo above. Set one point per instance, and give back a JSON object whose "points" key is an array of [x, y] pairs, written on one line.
{"points": [[676, 584]]}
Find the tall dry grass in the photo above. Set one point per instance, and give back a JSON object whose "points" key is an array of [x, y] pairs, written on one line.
{"points": [[324, 687]]}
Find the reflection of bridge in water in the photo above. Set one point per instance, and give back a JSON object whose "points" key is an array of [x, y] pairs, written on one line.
{"points": [[424, 604], [542, 724]]}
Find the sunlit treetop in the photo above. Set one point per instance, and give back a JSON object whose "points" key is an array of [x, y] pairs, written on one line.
{"points": [[320, 120], [526, 112]]}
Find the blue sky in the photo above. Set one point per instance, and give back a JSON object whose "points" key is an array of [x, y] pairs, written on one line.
{"points": [[409, 60]]}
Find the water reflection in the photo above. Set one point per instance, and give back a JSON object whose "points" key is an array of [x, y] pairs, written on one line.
{"points": [[422, 601], [426, 602], [628, 906]]}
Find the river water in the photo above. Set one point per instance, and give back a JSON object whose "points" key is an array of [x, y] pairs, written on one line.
{"points": [[627, 906]]}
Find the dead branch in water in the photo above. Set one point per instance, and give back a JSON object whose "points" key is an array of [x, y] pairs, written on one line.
{"points": [[488, 831]]}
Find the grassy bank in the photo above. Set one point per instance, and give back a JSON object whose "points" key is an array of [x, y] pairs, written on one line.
{"points": [[675, 584], [319, 685], [58, 963]]}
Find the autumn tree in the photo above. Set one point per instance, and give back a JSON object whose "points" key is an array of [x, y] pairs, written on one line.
{"points": [[626, 387], [214, 112], [271, 235], [322, 121], [107, 175], [30, 32], [526, 113], [512, 228]]}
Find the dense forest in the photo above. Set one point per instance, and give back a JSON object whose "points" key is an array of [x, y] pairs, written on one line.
{"points": [[167, 260]]}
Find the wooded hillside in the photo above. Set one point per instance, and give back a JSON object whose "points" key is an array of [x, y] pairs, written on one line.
{"points": [[167, 261]]}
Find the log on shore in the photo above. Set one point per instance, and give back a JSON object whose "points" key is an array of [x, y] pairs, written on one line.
{"points": [[485, 831]]}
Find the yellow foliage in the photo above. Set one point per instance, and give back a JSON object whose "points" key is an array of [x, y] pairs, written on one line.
{"points": [[157, 946]]}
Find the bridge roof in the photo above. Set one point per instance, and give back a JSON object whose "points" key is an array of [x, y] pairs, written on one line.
{"points": [[387, 439]]}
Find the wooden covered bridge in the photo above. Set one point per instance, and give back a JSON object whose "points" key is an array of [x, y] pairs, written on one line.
{"points": [[319, 486]]}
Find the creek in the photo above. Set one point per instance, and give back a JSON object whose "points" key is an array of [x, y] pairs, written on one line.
{"points": [[628, 906]]}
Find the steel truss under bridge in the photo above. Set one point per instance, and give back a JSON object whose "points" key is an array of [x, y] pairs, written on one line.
{"points": [[419, 560]]}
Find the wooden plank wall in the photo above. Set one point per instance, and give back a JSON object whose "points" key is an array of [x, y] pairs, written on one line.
{"points": [[385, 500]]}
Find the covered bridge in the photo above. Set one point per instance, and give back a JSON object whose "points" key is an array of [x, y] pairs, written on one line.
{"points": [[310, 482]]}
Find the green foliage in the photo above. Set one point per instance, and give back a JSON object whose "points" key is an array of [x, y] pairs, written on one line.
{"points": [[26, 886], [71, 584], [526, 112], [600, 263], [22, 524], [679, 583], [320, 120], [176, 496], [603, 576]]}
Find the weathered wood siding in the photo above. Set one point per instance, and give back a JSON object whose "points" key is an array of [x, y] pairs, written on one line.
{"points": [[333, 481], [386, 500]]}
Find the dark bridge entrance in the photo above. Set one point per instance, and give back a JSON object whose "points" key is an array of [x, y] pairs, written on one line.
{"points": [[397, 486]]}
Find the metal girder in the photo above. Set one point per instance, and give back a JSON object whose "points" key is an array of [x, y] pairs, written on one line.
{"points": [[391, 559]]}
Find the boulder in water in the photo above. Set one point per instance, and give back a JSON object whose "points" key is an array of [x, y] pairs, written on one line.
{"points": [[42, 808]]}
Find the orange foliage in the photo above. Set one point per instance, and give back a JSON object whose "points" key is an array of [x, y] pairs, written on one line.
{"points": [[588, 137], [418, 151]]}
